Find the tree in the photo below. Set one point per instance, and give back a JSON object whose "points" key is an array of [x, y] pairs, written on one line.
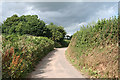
{"points": [[29, 24], [10, 22], [57, 33]]}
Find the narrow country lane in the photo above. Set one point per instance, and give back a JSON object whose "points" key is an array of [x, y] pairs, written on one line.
{"points": [[55, 65]]}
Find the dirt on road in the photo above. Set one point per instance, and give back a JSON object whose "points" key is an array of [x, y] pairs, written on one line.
{"points": [[55, 65]]}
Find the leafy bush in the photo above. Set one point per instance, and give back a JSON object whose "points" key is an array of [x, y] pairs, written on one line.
{"points": [[57, 45], [98, 35], [21, 53], [61, 44], [65, 43]]}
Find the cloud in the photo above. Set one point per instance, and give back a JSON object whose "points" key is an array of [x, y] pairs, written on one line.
{"points": [[101, 14], [83, 23], [70, 15], [30, 11], [10, 8], [105, 13], [74, 27]]}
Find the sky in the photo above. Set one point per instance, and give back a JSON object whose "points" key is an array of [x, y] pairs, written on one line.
{"points": [[70, 15]]}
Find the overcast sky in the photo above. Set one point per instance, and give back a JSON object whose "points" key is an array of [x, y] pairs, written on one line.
{"points": [[70, 15]]}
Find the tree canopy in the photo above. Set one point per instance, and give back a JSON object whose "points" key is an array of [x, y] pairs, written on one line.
{"points": [[57, 32], [29, 24], [32, 25]]}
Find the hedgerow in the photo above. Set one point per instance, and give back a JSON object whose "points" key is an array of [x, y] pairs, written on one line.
{"points": [[21, 53], [96, 48]]}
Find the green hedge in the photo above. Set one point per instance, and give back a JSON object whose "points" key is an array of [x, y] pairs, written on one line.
{"points": [[91, 41], [57, 45], [21, 53], [103, 32], [61, 44], [65, 43]]}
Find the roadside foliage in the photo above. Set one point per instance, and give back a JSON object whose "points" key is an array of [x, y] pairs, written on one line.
{"points": [[94, 49], [21, 53]]}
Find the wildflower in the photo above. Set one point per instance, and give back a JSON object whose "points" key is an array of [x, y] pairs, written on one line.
{"points": [[13, 61], [6, 53], [12, 50], [17, 58], [21, 60]]}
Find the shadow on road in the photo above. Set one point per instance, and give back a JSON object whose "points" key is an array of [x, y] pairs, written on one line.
{"points": [[39, 69]]}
